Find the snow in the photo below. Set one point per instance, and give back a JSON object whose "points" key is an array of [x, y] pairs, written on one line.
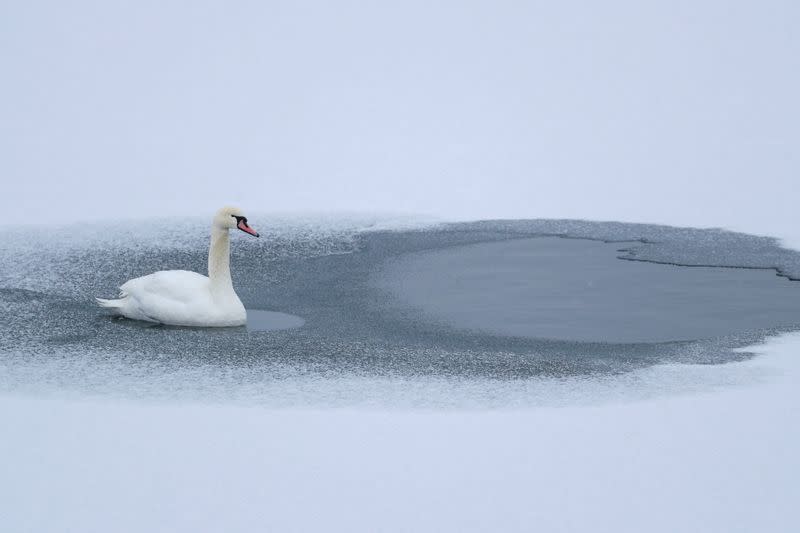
{"points": [[721, 460]]}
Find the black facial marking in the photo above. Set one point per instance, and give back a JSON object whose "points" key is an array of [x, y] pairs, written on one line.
{"points": [[240, 219]]}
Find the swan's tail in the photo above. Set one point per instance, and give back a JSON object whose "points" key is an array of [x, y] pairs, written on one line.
{"points": [[111, 304]]}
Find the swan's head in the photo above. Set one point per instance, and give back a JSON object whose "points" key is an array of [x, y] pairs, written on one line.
{"points": [[232, 218]]}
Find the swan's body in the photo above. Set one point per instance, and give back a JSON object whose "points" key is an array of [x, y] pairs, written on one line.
{"points": [[178, 298], [183, 298]]}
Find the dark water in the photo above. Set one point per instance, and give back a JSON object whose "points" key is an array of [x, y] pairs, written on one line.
{"points": [[481, 307], [260, 320], [578, 290]]}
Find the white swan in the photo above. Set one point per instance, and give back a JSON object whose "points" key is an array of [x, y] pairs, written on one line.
{"points": [[183, 298]]}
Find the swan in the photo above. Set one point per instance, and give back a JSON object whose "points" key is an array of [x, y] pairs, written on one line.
{"points": [[183, 298]]}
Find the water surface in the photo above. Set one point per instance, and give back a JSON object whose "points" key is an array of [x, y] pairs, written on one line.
{"points": [[579, 290]]}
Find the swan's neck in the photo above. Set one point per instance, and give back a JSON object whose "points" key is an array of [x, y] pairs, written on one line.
{"points": [[219, 260]]}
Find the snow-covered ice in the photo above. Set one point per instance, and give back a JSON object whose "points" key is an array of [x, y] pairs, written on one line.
{"points": [[722, 460]]}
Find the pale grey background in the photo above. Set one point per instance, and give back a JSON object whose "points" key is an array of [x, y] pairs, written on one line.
{"points": [[630, 110]]}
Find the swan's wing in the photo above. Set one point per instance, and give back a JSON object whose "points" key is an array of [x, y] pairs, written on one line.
{"points": [[179, 285], [167, 296]]}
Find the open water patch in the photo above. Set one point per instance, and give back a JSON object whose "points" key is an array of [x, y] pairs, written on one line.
{"points": [[260, 320], [579, 290]]}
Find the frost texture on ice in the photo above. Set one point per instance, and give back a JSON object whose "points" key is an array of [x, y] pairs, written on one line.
{"points": [[357, 345]]}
